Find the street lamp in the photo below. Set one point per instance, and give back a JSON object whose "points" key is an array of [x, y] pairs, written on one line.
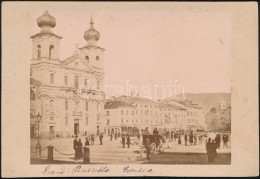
{"points": [[38, 120]]}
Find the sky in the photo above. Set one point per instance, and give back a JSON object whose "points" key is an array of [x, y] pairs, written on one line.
{"points": [[145, 48]]}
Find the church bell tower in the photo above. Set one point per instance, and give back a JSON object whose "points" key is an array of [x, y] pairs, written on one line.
{"points": [[45, 44]]}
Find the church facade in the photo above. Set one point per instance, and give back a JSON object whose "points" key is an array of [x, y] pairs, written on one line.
{"points": [[68, 94]]}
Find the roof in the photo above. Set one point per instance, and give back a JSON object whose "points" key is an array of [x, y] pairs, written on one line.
{"points": [[91, 46], [34, 82], [42, 34], [169, 106], [117, 104], [135, 99], [74, 57]]}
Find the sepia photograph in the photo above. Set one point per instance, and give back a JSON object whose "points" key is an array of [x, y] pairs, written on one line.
{"points": [[129, 89], [93, 100]]}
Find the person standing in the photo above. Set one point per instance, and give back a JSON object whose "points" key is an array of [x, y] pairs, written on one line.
{"points": [[87, 142], [128, 141], [185, 138], [116, 136], [138, 136], [195, 140], [225, 140], [123, 141], [101, 138], [179, 139], [200, 140], [191, 138], [111, 136], [92, 139], [211, 150], [148, 148], [79, 148], [75, 145]]}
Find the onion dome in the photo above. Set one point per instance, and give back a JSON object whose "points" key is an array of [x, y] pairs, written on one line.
{"points": [[91, 35], [46, 21]]}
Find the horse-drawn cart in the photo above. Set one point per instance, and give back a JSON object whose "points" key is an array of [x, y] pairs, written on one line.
{"points": [[155, 143]]}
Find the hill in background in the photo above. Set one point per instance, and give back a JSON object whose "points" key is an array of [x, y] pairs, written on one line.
{"points": [[208, 100]]}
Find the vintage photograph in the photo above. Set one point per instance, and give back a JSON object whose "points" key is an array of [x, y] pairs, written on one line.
{"points": [[130, 87]]}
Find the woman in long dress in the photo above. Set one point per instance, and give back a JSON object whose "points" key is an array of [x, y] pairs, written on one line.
{"points": [[79, 148]]}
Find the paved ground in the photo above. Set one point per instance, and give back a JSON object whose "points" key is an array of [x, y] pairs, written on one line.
{"points": [[113, 153]]}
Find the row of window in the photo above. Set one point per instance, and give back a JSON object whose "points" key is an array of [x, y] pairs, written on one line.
{"points": [[146, 113], [76, 81], [87, 58], [136, 121], [86, 105], [51, 49]]}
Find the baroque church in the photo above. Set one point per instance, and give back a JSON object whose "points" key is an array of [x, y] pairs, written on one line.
{"points": [[66, 96]]}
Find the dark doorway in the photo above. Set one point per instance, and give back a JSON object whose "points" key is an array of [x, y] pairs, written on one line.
{"points": [[76, 128]]}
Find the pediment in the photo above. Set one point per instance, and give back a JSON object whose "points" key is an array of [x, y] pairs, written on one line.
{"points": [[78, 63]]}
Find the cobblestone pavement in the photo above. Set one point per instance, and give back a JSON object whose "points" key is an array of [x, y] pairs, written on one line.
{"points": [[112, 152]]}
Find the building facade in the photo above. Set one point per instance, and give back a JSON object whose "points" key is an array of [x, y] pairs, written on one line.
{"points": [[68, 94], [219, 119], [128, 114]]}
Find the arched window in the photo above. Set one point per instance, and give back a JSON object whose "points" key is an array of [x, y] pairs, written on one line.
{"points": [[97, 58], [38, 51], [52, 78], [51, 104], [51, 51], [87, 58]]}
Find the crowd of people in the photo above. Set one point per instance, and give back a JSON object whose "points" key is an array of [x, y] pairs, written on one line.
{"points": [[181, 138]]}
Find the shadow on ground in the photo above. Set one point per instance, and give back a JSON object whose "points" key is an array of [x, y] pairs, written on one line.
{"points": [[187, 158], [45, 161]]}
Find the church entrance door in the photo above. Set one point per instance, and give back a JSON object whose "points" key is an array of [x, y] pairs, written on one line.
{"points": [[76, 128]]}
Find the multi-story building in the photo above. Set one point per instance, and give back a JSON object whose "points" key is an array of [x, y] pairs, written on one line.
{"points": [[67, 94], [128, 114], [194, 118], [219, 119]]}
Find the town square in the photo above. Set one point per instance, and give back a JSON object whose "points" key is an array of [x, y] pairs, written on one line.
{"points": [[74, 120]]}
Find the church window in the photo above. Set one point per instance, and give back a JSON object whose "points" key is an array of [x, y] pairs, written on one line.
{"points": [[76, 82], [66, 105], [38, 51], [97, 58], [122, 112], [66, 80], [51, 104], [51, 78], [51, 51], [87, 58], [86, 82], [86, 106]]}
